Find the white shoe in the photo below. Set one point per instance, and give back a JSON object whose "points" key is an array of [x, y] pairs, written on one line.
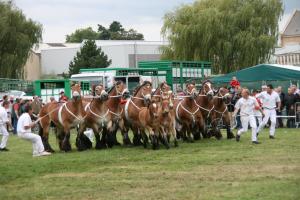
{"points": [[44, 153]]}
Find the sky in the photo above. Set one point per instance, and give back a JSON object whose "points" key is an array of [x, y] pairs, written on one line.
{"points": [[62, 17]]}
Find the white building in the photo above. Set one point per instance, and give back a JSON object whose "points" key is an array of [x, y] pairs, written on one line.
{"points": [[54, 58]]}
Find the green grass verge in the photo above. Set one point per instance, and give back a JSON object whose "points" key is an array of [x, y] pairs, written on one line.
{"points": [[208, 169]]}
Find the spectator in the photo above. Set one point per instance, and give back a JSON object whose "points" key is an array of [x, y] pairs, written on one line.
{"points": [[289, 101], [63, 98], [36, 105], [4, 98], [279, 111], [52, 100], [234, 82], [179, 91], [15, 114], [264, 88]]}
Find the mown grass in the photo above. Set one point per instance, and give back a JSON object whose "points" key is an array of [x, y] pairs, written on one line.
{"points": [[208, 169]]}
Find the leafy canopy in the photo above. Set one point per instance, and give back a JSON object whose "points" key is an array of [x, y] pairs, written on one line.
{"points": [[115, 31], [89, 56], [233, 34], [17, 36]]}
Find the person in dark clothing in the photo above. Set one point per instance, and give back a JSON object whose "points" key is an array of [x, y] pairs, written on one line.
{"points": [[279, 112], [289, 103]]}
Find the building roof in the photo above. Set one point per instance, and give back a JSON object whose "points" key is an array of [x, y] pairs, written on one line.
{"points": [[100, 43], [263, 72], [288, 49], [48, 46], [293, 25], [128, 42]]}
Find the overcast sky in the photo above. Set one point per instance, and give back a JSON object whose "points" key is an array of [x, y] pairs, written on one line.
{"points": [[62, 17]]}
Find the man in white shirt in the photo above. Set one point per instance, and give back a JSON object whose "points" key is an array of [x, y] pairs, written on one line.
{"points": [[24, 131], [4, 122], [247, 104], [270, 102]]}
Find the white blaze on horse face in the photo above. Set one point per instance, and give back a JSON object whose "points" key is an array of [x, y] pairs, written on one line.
{"points": [[147, 96], [210, 92], [75, 94], [103, 92]]}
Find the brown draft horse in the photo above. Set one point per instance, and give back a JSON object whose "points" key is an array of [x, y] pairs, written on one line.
{"points": [[65, 116], [220, 113], [205, 102], [116, 95], [167, 123], [164, 94], [97, 117], [141, 98], [188, 114], [149, 124]]}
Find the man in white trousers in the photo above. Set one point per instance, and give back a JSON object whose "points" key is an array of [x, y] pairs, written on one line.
{"points": [[270, 103], [4, 123], [24, 131], [247, 105]]}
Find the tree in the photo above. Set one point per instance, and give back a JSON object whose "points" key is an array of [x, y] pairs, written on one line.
{"points": [[89, 56], [114, 32], [233, 34], [17, 36], [81, 34]]}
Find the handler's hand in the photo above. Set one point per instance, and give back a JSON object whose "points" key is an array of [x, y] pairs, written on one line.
{"points": [[32, 124]]}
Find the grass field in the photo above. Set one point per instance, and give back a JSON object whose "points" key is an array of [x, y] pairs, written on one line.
{"points": [[208, 169]]}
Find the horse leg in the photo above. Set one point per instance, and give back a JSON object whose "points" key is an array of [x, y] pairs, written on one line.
{"points": [[124, 131], [145, 138], [82, 141], [66, 145], [44, 133], [164, 138], [136, 137], [226, 120], [101, 141], [60, 137]]}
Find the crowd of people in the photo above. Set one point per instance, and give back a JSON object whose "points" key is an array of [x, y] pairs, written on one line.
{"points": [[285, 112], [18, 115]]}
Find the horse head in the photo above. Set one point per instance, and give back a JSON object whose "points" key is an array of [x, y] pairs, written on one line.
{"points": [[166, 93], [154, 109], [223, 93], [76, 90], [207, 89], [144, 91], [165, 106], [121, 89], [101, 93], [191, 90]]}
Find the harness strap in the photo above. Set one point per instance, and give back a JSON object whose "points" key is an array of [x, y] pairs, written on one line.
{"points": [[191, 113], [101, 117], [208, 110], [73, 115]]}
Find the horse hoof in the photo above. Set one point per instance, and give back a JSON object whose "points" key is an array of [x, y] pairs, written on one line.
{"points": [[100, 146]]}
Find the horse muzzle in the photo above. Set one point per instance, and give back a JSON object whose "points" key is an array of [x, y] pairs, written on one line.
{"points": [[104, 97], [126, 94]]}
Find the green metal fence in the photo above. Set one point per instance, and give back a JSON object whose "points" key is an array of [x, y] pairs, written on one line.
{"points": [[51, 88], [180, 71], [16, 84]]}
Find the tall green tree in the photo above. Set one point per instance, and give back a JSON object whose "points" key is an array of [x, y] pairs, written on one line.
{"points": [[17, 36], [115, 31], [81, 34], [89, 56], [233, 34]]}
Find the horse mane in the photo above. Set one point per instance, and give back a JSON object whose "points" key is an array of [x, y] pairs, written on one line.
{"points": [[206, 81], [137, 89]]}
